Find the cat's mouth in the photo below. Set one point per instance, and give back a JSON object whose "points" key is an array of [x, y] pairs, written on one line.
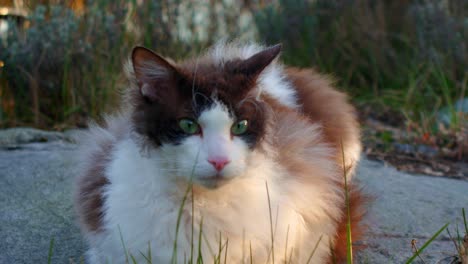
{"points": [[214, 181]]}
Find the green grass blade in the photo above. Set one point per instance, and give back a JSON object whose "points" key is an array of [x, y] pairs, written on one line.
{"points": [[148, 258], [123, 244], [200, 256], [315, 248], [454, 241], [290, 257], [181, 208], [349, 239], [250, 249], [464, 220], [226, 251], [51, 249], [218, 257], [459, 238], [179, 218], [445, 87], [410, 260], [192, 226], [243, 245], [149, 253], [133, 259], [144, 256], [271, 225], [333, 255]]}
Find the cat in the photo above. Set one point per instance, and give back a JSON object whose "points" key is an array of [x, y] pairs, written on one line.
{"points": [[229, 156]]}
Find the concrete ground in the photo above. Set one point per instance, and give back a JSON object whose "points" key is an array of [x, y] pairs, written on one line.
{"points": [[410, 207], [36, 206]]}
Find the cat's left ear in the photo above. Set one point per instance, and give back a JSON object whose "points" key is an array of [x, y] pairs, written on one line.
{"points": [[254, 65]]}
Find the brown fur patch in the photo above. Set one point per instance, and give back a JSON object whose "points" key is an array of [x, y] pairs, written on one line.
{"points": [[292, 135], [324, 104], [321, 103], [89, 200], [358, 202]]}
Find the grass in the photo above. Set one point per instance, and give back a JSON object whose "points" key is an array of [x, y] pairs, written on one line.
{"points": [[349, 237], [51, 251], [428, 242], [315, 248], [123, 245], [386, 54], [461, 247], [179, 215], [65, 66], [464, 221], [272, 233]]}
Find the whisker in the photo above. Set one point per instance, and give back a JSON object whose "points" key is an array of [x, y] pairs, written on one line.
{"points": [[194, 102]]}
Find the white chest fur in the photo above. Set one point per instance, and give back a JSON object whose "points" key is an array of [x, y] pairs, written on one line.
{"points": [[142, 205]]}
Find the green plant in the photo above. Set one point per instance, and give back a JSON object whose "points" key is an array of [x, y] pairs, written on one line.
{"points": [[428, 242], [51, 250], [406, 55], [67, 66], [461, 244]]}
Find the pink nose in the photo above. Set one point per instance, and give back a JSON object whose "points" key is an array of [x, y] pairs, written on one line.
{"points": [[218, 163]]}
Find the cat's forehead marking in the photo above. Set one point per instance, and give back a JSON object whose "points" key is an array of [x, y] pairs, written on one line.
{"points": [[216, 116]]}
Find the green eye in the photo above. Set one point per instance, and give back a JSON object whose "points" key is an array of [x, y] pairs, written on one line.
{"points": [[189, 126], [239, 127]]}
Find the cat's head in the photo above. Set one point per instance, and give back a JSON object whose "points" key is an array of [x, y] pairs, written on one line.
{"points": [[204, 116]]}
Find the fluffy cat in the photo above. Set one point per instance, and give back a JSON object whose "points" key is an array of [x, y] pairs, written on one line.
{"points": [[231, 145]]}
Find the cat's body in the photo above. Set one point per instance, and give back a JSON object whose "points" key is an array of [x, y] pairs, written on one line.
{"points": [[261, 146]]}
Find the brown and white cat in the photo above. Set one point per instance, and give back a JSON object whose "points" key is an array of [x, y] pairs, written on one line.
{"points": [[230, 144]]}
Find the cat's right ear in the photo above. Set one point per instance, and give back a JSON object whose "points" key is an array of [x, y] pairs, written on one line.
{"points": [[152, 72]]}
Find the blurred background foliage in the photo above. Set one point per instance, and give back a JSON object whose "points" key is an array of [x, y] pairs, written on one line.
{"points": [[62, 62], [400, 60]]}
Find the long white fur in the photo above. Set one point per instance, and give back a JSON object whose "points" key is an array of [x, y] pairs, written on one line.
{"points": [[146, 189]]}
